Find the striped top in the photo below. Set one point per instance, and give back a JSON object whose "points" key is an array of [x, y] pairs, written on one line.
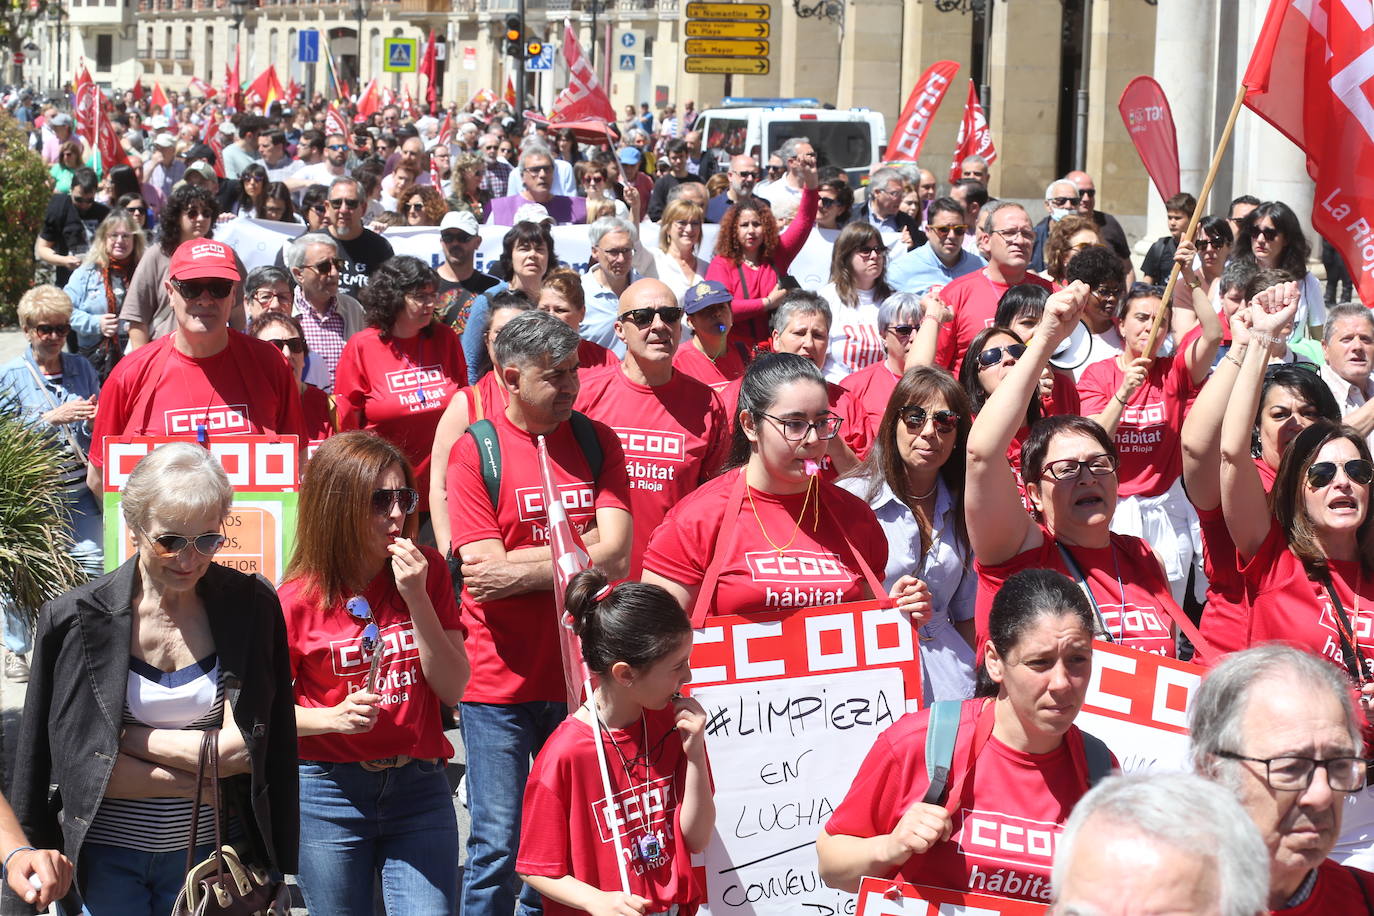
{"points": [[188, 698]]}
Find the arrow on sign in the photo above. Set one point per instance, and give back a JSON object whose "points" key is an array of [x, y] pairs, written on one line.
{"points": [[757, 66], [705, 28], [727, 47], [727, 11]]}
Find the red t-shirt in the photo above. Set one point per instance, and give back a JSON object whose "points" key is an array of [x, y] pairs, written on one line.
{"points": [[591, 355], [566, 822], [818, 566], [327, 664], [1337, 891], [513, 642], [399, 387], [319, 415], [973, 298], [866, 395], [1125, 578], [1225, 616], [675, 437], [1147, 439], [691, 361], [159, 391], [1011, 810], [1287, 606]]}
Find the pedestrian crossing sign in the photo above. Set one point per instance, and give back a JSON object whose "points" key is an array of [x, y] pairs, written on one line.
{"points": [[398, 55]]}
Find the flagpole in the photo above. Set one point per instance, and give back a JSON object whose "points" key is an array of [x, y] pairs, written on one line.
{"points": [[1225, 140]]}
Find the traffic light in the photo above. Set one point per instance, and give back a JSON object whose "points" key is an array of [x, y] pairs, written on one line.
{"points": [[533, 49], [515, 36]]}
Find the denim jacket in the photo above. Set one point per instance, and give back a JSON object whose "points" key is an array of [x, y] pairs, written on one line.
{"points": [[69, 736]]}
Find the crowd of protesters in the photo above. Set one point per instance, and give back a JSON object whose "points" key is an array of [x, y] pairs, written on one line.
{"points": [[980, 418]]}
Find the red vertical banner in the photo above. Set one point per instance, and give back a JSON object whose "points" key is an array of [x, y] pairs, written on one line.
{"points": [[909, 134], [1311, 77], [569, 558], [975, 139], [1145, 110], [584, 98]]}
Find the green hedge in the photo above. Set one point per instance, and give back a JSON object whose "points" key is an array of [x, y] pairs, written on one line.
{"points": [[24, 196]]}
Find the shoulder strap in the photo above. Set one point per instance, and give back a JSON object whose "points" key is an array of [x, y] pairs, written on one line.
{"points": [[942, 733], [743, 282], [474, 399], [1355, 662], [706, 592], [1098, 758], [587, 440], [489, 457], [1072, 566]]}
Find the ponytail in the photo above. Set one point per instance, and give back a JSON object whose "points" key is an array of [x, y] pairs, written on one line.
{"points": [[631, 622]]}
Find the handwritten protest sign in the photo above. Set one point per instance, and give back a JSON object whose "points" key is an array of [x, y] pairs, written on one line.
{"points": [[879, 897], [260, 529], [794, 700]]}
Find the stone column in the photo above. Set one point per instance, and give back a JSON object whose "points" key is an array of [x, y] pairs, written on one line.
{"points": [[1024, 104], [1186, 50]]}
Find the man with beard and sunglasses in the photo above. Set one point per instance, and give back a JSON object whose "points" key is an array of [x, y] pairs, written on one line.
{"points": [[460, 282], [362, 249], [203, 380]]}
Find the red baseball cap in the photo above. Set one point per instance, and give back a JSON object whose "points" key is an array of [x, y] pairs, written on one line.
{"points": [[200, 258]]}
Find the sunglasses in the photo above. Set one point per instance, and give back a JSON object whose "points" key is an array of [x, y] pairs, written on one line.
{"points": [[1269, 232], [328, 266], [538, 169], [642, 318], [1323, 472], [174, 545], [876, 250], [82, 201], [946, 421], [752, 175], [1063, 201], [257, 178], [902, 330], [826, 202], [48, 330], [405, 497], [338, 147], [1203, 242], [455, 238], [216, 287], [194, 213], [359, 609], [137, 209], [775, 169], [345, 203], [943, 231], [415, 208], [294, 344], [989, 358]]}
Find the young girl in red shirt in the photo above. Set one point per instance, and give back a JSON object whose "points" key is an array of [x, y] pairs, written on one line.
{"points": [[620, 796]]}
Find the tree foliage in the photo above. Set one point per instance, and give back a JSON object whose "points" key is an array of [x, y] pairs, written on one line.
{"points": [[24, 196]]}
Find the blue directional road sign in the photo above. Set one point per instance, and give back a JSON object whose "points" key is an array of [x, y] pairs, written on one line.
{"points": [[309, 49], [628, 39], [543, 62]]}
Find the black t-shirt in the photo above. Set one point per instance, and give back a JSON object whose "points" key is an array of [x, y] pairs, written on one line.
{"points": [[658, 200], [455, 298], [1159, 262], [68, 230], [363, 254]]}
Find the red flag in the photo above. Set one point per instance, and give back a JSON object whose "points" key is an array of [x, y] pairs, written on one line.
{"points": [[1309, 77], [408, 104], [200, 87], [584, 98], [87, 107], [446, 129], [216, 143], [1145, 109], [233, 84], [510, 93], [137, 90], [264, 90], [428, 65], [293, 92], [111, 151], [910, 132], [388, 97], [159, 98], [370, 102], [482, 98], [569, 558], [974, 137], [334, 122]]}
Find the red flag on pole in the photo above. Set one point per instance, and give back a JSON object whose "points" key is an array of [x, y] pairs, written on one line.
{"points": [[266, 89], [87, 108], [111, 151], [159, 98], [569, 558], [233, 84], [370, 101], [428, 65], [910, 132], [584, 98], [1145, 109], [1309, 77], [137, 90], [510, 93], [408, 105], [445, 137], [974, 137]]}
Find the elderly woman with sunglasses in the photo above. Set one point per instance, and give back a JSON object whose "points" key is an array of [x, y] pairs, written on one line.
{"points": [[129, 671], [913, 479], [376, 648], [868, 390], [1069, 466]]}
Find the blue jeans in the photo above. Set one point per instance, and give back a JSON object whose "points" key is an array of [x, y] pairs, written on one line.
{"points": [[355, 824], [501, 739], [127, 882]]}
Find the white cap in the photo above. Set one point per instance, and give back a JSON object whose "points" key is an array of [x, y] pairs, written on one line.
{"points": [[532, 213], [165, 141], [461, 220]]}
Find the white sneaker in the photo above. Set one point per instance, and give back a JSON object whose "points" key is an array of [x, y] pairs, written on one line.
{"points": [[16, 668]]}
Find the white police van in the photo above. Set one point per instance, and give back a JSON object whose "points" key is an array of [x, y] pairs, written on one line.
{"points": [[851, 139]]}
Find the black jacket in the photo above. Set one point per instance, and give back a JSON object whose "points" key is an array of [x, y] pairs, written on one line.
{"points": [[69, 736]]}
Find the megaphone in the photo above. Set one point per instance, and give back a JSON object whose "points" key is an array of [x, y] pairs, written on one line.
{"points": [[1074, 350]]}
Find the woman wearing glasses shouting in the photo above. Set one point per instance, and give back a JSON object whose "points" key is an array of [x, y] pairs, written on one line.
{"points": [[376, 647], [1307, 552], [129, 671], [770, 533], [1069, 466]]}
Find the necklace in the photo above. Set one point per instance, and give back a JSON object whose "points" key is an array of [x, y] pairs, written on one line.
{"points": [[929, 493], [647, 847], [810, 485]]}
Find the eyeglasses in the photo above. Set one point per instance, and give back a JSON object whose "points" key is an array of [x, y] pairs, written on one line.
{"points": [[264, 296], [49, 330], [1269, 232], [133, 209], [1203, 242], [642, 318], [1063, 201], [1070, 468], [1294, 774], [943, 231], [415, 208], [1089, 192], [317, 209], [195, 213], [338, 147], [328, 266], [594, 179], [216, 287], [795, 430], [345, 203], [872, 250], [946, 421], [1323, 472], [775, 169], [174, 545], [82, 201], [294, 344], [902, 330], [751, 174], [616, 252], [1107, 293], [538, 169], [456, 237], [405, 497], [992, 356], [1012, 235]]}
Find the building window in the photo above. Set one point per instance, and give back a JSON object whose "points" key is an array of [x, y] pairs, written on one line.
{"points": [[104, 51]]}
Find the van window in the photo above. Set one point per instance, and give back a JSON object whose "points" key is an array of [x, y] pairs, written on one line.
{"points": [[843, 144], [727, 134]]}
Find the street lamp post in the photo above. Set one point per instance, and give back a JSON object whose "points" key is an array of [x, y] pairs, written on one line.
{"points": [[240, 8], [360, 11]]}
